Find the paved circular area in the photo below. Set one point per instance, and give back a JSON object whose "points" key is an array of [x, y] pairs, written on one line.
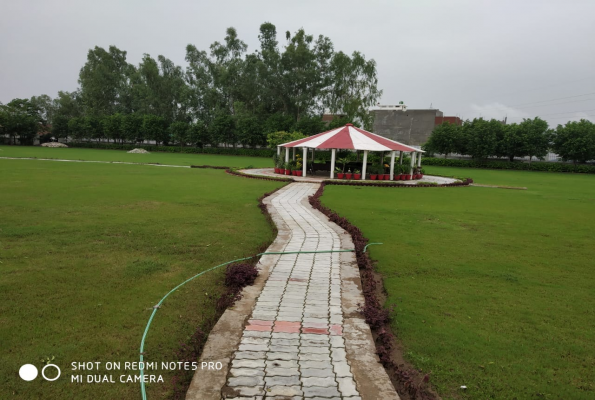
{"points": [[270, 172]]}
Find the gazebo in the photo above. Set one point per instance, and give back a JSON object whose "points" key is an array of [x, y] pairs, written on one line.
{"points": [[349, 137]]}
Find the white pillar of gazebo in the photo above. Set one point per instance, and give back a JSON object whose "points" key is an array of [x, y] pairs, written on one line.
{"points": [[419, 160], [392, 165], [364, 164], [278, 150], [286, 155], [412, 162], [293, 156], [305, 161], [333, 151]]}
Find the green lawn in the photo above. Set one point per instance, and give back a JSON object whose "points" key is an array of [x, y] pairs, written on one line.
{"points": [[121, 155], [87, 249], [494, 288]]}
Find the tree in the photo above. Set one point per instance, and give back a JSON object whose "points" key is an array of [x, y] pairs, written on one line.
{"points": [[199, 134], [274, 139], [575, 141], [310, 125], [180, 132], [155, 128], [278, 122], [76, 128], [160, 89], [535, 138], [479, 138], [46, 107], [112, 127], [248, 127], [132, 127], [104, 81], [353, 87], [510, 143], [445, 139], [223, 130], [20, 118]]}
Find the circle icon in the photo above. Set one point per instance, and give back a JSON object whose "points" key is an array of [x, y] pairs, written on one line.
{"points": [[50, 365], [28, 372]]}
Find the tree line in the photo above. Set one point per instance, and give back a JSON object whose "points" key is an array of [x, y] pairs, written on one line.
{"points": [[224, 96], [480, 139]]}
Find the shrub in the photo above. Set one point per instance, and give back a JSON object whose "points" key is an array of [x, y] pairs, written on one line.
{"points": [[535, 166], [177, 149]]}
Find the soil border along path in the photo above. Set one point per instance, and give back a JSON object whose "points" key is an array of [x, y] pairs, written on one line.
{"points": [[290, 337]]}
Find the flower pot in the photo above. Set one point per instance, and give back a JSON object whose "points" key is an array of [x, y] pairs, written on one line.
{"points": [[357, 176], [348, 175], [287, 172], [299, 173], [293, 172], [373, 176], [407, 177], [340, 175], [387, 177]]}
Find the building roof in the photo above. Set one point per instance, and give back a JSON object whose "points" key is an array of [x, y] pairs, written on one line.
{"points": [[351, 138]]}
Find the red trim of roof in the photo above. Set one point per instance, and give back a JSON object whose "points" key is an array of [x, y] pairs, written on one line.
{"points": [[340, 140], [299, 141]]}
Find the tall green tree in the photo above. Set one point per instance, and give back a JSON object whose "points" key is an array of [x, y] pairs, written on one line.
{"points": [[160, 89], [480, 138], [353, 87], [45, 106], [112, 127], [20, 119], [445, 139], [575, 141], [180, 132], [105, 82], [131, 128], [155, 128], [535, 138]]}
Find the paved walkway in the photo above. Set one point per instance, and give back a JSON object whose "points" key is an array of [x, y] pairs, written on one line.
{"points": [[317, 178], [303, 338]]}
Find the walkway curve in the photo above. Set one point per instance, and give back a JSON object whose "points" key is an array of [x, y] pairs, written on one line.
{"points": [[296, 333]]}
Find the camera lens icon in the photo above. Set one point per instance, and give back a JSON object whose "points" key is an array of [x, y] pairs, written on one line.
{"points": [[29, 372]]}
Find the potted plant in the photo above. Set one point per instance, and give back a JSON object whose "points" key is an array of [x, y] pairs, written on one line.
{"points": [[286, 168], [298, 168], [386, 176], [276, 163], [357, 174], [349, 174], [339, 173], [373, 173], [421, 173], [380, 171]]}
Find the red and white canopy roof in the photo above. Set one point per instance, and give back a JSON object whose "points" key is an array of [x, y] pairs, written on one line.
{"points": [[350, 137]]}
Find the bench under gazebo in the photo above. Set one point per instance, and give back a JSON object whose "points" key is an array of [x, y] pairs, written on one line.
{"points": [[349, 137]]}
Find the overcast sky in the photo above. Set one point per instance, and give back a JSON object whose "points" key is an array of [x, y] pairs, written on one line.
{"points": [[490, 58]]}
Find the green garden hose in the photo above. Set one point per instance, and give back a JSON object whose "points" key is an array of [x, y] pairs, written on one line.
{"points": [[158, 305], [369, 244]]}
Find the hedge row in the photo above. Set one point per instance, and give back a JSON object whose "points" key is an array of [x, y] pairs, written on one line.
{"points": [[521, 166], [176, 149]]}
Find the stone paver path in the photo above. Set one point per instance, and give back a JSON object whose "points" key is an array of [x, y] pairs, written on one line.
{"points": [[269, 172], [293, 343]]}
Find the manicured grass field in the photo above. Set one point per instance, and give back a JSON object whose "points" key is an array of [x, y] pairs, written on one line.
{"points": [[121, 155], [494, 288], [86, 250]]}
